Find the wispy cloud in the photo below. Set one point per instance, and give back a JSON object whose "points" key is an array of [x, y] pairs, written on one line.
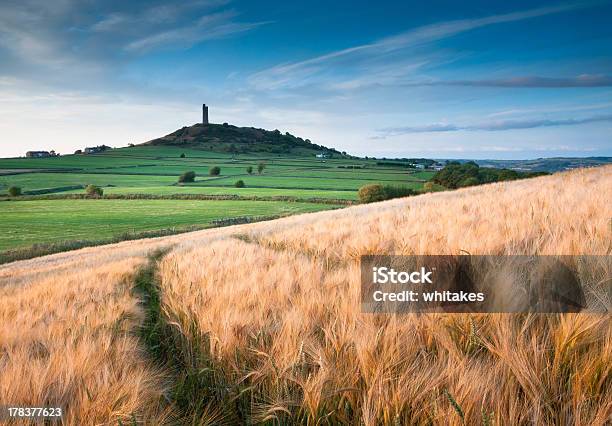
{"points": [[64, 34], [583, 80], [498, 125], [297, 73], [27, 31], [208, 27], [550, 109], [163, 14]]}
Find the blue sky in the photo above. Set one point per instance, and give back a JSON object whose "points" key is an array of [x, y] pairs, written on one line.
{"points": [[443, 79]]}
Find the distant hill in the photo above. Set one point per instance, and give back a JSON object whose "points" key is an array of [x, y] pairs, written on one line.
{"points": [[239, 140], [551, 165]]}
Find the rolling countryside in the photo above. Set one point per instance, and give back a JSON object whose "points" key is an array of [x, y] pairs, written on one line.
{"points": [[286, 213], [281, 175]]}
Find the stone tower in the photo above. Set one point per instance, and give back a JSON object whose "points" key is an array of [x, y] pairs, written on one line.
{"points": [[204, 114]]}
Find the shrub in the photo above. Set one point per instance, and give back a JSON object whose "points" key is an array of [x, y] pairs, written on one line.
{"points": [[378, 192], [371, 193], [249, 170], [187, 177], [94, 191], [14, 191], [397, 191], [215, 171], [239, 184], [433, 187], [260, 167], [183, 155]]}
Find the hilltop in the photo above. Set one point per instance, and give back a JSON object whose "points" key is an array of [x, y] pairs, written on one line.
{"points": [[241, 140]]}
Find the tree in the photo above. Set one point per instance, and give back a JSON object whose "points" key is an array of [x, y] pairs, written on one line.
{"points": [[260, 167], [183, 155], [249, 170], [14, 191], [187, 177], [215, 171], [239, 184], [94, 191], [456, 175]]}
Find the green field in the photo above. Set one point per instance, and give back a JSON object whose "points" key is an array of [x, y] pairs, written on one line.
{"points": [[154, 171], [147, 167], [31, 222], [296, 182]]}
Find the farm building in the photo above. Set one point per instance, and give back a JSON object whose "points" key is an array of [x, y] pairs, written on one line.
{"points": [[38, 154]]}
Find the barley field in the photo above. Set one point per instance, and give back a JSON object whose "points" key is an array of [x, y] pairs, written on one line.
{"points": [[261, 323]]}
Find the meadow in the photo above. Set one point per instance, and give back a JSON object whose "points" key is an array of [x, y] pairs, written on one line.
{"points": [[261, 323], [153, 171], [27, 223]]}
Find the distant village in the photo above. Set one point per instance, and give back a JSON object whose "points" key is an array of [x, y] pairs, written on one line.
{"points": [[52, 153]]}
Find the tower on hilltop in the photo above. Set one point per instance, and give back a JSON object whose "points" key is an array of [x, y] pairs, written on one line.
{"points": [[204, 114]]}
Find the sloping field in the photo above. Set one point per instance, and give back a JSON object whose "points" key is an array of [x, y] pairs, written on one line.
{"points": [[261, 323]]}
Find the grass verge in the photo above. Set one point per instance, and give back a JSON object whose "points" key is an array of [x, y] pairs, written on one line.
{"points": [[286, 198]]}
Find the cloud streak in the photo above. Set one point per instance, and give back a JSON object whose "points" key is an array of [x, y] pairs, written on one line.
{"points": [[164, 14], [290, 74], [207, 27], [583, 80], [492, 126]]}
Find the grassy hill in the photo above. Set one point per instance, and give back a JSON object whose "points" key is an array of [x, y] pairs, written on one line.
{"points": [[261, 323], [241, 140]]}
